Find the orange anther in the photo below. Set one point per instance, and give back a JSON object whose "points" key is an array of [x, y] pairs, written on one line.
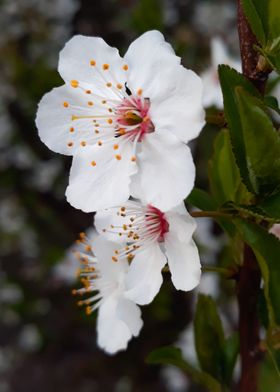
{"points": [[74, 83]]}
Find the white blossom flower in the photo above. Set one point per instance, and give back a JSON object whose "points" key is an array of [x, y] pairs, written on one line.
{"points": [[125, 121], [119, 318], [212, 93], [149, 239]]}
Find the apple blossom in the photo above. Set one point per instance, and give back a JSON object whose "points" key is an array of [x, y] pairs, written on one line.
{"points": [[149, 238], [119, 318], [212, 93], [125, 121]]}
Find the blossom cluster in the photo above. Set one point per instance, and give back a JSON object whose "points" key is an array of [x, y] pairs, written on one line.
{"points": [[126, 122]]}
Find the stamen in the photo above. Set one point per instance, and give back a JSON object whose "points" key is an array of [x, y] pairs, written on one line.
{"points": [[74, 83]]}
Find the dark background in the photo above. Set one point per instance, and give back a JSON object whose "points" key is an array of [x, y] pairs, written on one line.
{"points": [[46, 341]]}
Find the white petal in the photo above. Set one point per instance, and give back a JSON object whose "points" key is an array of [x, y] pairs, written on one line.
{"points": [[166, 171], [144, 276], [56, 124], [151, 61], [104, 185], [181, 223], [183, 261], [105, 219], [130, 314], [181, 112], [75, 64], [104, 250], [112, 333]]}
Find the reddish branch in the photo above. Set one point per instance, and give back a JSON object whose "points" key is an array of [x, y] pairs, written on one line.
{"points": [[248, 286], [249, 56], [248, 294]]}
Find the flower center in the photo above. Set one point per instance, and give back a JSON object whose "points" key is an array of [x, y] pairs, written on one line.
{"points": [[132, 117], [141, 226], [156, 220]]}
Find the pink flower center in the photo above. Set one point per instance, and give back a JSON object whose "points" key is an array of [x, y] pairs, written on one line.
{"points": [[133, 118], [156, 223]]}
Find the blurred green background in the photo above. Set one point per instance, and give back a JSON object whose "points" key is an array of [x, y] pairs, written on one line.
{"points": [[46, 342]]}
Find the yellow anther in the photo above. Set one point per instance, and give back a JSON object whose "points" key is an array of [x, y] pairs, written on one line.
{"points": [[70, 144], [71, 129], [74, 292], [83, 143], [139, 92], [119, 86], [88, 91], [130, 257], [65, 104], [110, 110], [105, 67], [110, 121], [92, 63], [88, 310], [114, 258], [109, 84], [104, 101], [125, 67], [122, 131], [116, 146], [124, 227], [118, 157], [74, 83], [133, 158], [90, 103], [116, 252], [122, 209], [99, 143], [96, 131], [93, 163], [88, 248]]}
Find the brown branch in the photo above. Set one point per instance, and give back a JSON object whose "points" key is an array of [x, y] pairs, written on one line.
{"points": [[248, 286], [248, 289], [249, 56]]}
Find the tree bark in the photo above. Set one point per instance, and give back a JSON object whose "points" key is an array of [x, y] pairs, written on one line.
{"points": [[248, 285]]}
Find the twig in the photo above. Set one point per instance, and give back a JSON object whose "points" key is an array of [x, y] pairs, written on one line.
{"points": [[248, 286]]}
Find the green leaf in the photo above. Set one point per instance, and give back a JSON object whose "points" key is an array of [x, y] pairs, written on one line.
{"points": [[256, 13], [231, 350], [173, 356], [267, 250], [257, 212], [230, 79], [202, 200], [264, 19], [273, 19], [272, 103], [208, 329], [261, 144], [271, 206], [224, 177]]}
